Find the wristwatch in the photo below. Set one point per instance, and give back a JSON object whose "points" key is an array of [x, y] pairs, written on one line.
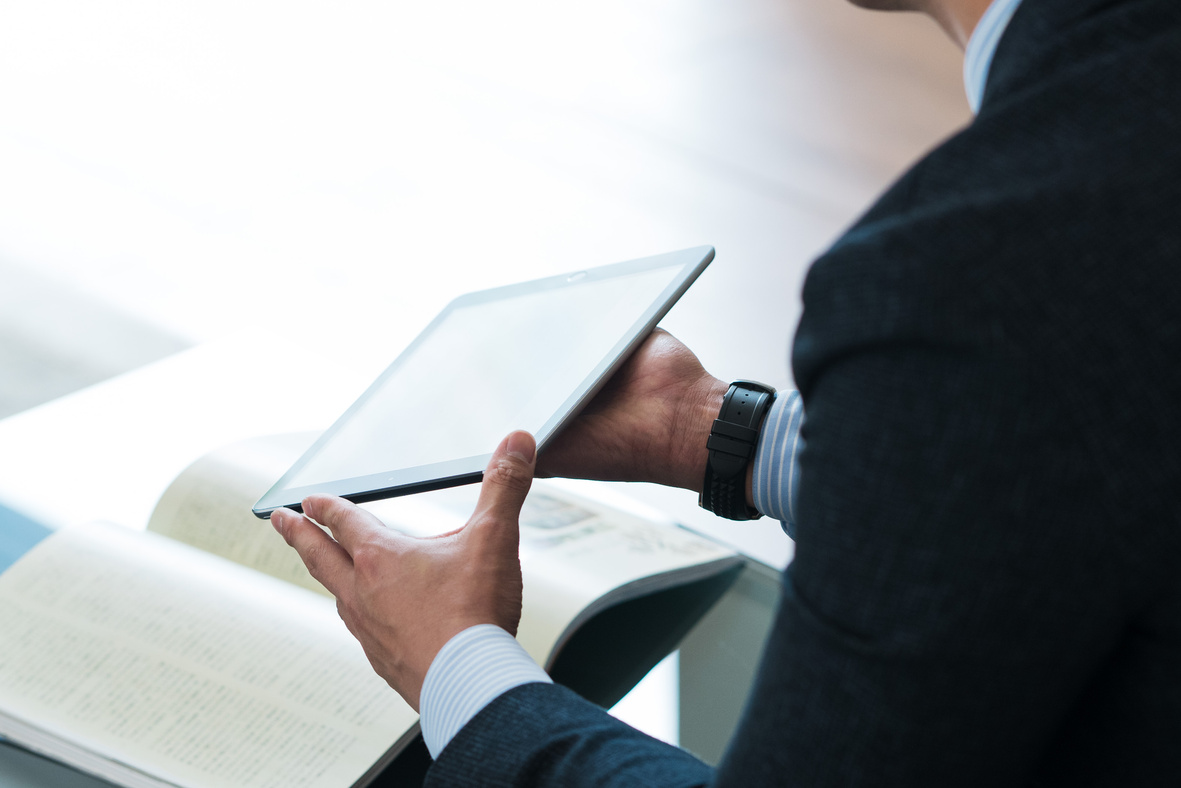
{"points": [[731, 446]]}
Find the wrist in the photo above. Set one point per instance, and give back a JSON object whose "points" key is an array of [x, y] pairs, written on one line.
{"points": [[690, 431]]}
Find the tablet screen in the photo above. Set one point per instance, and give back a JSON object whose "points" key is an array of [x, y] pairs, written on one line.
{"points": [[512, 358]]}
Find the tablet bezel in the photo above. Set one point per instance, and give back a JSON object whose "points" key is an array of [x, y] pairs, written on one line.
{"points": [[467, 470]]}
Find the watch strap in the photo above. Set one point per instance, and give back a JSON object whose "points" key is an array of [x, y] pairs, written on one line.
{"points": [[731, 444]]}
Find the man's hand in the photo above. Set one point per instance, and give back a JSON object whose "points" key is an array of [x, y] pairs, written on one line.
{"points": [[404, 598], [649, 423]]}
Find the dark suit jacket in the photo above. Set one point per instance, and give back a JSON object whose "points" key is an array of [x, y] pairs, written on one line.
{"points": [[987, 581]]}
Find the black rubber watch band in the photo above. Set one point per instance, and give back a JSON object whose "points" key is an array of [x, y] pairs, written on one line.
{"points": [[731, 445]]}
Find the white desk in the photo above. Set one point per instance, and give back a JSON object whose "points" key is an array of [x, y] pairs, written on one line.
{"points": [[109, 451]]}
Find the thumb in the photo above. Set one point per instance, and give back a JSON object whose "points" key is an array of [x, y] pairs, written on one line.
{"points": [[507, 479]]}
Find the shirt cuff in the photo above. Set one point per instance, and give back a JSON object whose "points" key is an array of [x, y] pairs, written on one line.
{"points": [[776, 474], [473, 669]]}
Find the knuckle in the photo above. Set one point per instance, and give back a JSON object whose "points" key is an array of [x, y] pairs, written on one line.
{"points": [[313, 558], [510, 475], [368, 559]]}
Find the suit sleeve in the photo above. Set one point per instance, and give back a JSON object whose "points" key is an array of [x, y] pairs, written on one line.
{"points": [[950, 596], [546, 735]]}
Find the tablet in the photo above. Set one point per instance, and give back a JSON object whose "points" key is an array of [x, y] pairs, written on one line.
{"points": [[525, 356]]}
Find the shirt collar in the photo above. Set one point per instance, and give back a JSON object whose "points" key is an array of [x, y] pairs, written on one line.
{"points": [[982, 46]]}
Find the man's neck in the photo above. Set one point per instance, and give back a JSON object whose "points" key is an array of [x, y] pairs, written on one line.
{"points": [[957, 17]]}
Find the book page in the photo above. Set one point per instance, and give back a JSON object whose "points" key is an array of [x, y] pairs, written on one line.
{"points": [[187, 667], [208, 506]]}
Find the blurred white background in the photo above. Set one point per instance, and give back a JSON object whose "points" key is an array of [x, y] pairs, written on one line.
{"points": [[209, 166]]}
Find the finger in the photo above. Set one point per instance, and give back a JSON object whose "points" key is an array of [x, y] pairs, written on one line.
{"points": [[507, 479], [326, 560], [351, 525]]}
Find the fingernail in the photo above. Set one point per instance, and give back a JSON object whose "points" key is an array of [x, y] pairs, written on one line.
{"points": [[277, 520], [521, 446]]}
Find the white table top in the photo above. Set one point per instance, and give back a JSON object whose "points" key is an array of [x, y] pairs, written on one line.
{"points": [[109, 451]]}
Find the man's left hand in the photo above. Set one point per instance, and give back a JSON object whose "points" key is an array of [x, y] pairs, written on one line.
{"points": [[403, 597]]}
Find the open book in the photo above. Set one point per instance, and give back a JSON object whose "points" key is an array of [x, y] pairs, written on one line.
{"points": [[201, 653]]}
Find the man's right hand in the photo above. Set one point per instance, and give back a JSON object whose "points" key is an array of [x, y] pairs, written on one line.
{"points": [[649, 423]]}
